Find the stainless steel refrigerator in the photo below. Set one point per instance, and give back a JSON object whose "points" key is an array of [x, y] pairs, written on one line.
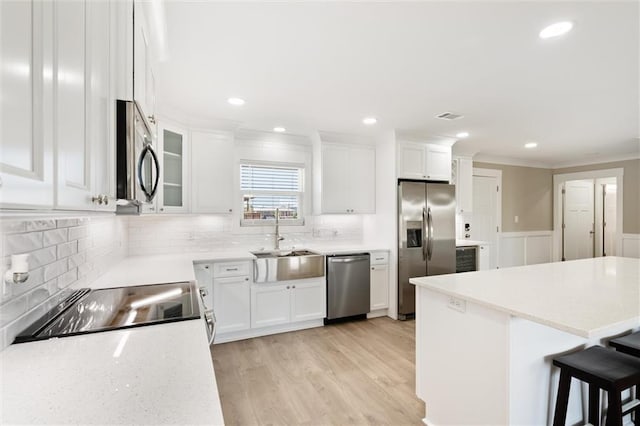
{"points": [[426, 236]]}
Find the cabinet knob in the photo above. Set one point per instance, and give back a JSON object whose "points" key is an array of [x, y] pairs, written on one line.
{"points": [[293, 286], [287, 287], [230, 210], [97, 199], [161, 209], [373, 269], [246, 279]]}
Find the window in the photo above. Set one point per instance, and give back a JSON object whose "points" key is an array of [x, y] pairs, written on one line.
{"points": [[267, 187]]}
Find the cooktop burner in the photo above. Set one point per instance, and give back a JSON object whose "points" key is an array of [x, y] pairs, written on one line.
{"points": [[90, 311]]}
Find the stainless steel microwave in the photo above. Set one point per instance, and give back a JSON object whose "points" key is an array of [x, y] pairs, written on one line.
{"points": [[137, 164]]}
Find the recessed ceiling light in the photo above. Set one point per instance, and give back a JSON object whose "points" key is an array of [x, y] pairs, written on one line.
{"points": [[369, 121], [462, 135], [236, 101], [279, 129], [530, 145], [556, 30]]}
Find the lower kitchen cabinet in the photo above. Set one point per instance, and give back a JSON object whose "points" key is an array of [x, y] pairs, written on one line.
{"points": [[288, 301], [484, 257], [231, 298], [379, 287]]}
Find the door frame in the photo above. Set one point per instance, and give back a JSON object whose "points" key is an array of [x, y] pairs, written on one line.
{"points": [[559, 179], [494, 173]]}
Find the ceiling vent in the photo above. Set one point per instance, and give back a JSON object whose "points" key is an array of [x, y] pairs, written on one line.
{"points": [[448, 116]]}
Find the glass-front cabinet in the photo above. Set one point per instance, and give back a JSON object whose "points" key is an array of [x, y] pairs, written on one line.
{"points": [[174, 190]]}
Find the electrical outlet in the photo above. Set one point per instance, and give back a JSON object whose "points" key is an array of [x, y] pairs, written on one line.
{"points": [[457, 304], [516, 219]]}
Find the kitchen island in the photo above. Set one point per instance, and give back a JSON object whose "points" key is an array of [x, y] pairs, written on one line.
{"points": [[485, 340]]}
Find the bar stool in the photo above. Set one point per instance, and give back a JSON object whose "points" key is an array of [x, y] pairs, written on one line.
{"points": [[600, 368], [629, 344]]}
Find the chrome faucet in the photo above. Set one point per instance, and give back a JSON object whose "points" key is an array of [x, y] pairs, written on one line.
{"points": [[277, 236]]}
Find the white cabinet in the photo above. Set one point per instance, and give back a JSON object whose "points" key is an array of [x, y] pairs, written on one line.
{"points": [[232, 296], [462, 176], [173, 148], [424, 161], [379, 276], [26, 147], [204, 278], [212, 172], [287, 301], [484, 257], [348, 179], [143, 74]]}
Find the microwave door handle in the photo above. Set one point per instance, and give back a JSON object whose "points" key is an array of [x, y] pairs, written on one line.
{"points": [[157, 165], [430, 235], [148, 150]]}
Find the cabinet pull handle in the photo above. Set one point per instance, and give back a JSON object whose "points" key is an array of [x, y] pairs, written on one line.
{"points": [[232, 269]]}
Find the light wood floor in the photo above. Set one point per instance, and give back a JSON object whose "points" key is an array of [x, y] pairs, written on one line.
{"points": [[353, 373]]}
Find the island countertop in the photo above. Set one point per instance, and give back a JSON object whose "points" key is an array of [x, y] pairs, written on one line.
{"points": [[586, 297]]}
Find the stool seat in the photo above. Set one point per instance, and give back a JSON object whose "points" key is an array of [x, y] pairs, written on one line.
{"points": [[604, 368], [600, 368], [629, 344]]}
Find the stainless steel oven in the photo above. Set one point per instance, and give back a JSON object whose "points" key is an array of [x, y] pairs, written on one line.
{"points": [[137, 164]]}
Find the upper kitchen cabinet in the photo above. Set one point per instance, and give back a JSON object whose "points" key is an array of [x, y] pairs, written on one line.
{"points": [[144, 86], [174, 152], [26, 148], [462, 178], [84, 118], [348, 179], [212, 172], [424, 161]]}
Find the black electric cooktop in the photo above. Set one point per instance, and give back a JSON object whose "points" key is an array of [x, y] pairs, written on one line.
{"points": [[91, 311]]}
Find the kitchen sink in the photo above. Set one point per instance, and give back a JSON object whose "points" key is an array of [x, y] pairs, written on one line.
{"points": [[285, 265]]}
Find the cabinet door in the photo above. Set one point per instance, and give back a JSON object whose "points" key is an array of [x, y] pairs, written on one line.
{"points": [[26, 147], [379, 287], [484, 257], [308, 300], [70, 86], [141, 58], [438, 162], [174, 150], [464, 184], [362, 180], [100, 105], [212, 173], [231, 303], [335, 179], [411, 160], [270, 305]]}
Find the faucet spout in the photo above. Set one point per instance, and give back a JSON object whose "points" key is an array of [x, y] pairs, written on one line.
{"points": [[277, 236]]}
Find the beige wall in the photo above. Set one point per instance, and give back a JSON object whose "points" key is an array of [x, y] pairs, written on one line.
{"points": [[527, 192], [631, 189]]}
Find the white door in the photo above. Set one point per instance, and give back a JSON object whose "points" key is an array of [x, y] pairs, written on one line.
{"points": [[212, 171], [605, 216], [438, 162], [379, 287], [485, 226], [362, 180], [578, 219], [335, 179], [270, 305], [411, 158]]}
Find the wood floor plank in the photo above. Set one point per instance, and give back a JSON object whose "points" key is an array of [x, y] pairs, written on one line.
{"points": [[356, 373]]}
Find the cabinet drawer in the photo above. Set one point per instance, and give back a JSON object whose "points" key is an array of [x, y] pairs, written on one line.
{"points": [[231, 269], [379, 258]]}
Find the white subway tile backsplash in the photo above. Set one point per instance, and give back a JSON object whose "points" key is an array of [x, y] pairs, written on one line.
{"points": [[77, 232], [12, 310], [35, 279], [22, 243], [55, 269], [83, 244], [67, 278], [55, 236], [42, 257], [10, 226], [77, 260], [67, 249], [65, 223], [39, 225]]}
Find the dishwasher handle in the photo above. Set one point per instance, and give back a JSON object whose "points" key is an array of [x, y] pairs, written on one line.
{"points": [[349, 259]]}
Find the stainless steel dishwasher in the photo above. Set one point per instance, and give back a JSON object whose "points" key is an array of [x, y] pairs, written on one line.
{"points": [[348, 286]]}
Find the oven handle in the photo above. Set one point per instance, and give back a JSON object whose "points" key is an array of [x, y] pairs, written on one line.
{"points": [[210, 318]]}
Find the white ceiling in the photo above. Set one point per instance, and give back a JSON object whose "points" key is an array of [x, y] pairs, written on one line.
{"points": [[325, 65]]}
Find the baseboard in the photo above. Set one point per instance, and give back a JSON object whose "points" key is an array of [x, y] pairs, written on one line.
{"points": [[266, 331], [378, 313]]}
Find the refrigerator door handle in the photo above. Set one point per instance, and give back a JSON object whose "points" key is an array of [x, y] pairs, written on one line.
{"points": [[424, 232], [430, 234]]}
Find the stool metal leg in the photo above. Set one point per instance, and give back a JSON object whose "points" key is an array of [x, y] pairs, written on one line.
{"points": [[564, 386], [594, 405], [614, 412]]}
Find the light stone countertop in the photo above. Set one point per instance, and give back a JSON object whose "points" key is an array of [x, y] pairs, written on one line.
{"points": [[588, 297], [160, 374]]}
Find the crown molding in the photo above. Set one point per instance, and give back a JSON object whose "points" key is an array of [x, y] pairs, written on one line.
{"points": [[597, 160], [508, 161]]}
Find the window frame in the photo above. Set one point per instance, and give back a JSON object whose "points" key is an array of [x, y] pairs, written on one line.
{"points": [[299, 194]]}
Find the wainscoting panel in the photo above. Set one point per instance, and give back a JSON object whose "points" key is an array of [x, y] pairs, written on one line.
{"points": [[631, 245], [525, 248]]}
